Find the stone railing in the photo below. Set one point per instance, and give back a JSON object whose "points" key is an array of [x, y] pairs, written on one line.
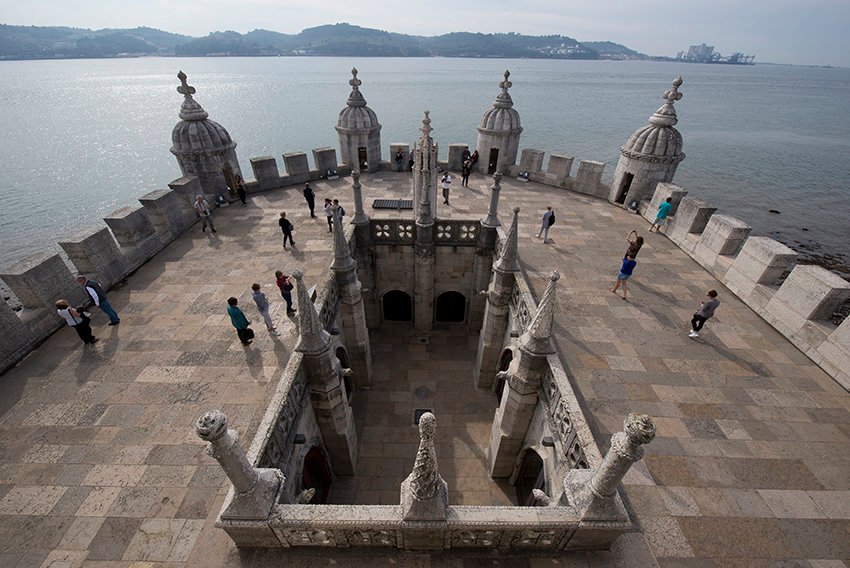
{"points": [[799, 307], [392, 231], [403, 232]]}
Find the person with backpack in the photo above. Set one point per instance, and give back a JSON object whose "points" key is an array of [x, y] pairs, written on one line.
{"points": [[548, 221], [287, 227], [286, 287]]}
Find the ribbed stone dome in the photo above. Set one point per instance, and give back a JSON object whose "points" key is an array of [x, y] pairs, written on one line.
{"points": [[356, 115], [501, 116], [196, 133], [658, 138]]}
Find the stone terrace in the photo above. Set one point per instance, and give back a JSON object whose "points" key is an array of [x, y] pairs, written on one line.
{"points": [[100, 466]]}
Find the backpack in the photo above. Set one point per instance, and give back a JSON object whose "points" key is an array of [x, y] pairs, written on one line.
{"points": [[291, 226], [552, 219]]}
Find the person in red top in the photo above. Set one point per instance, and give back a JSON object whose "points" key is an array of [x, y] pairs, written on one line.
{"points": [[286, 287]]}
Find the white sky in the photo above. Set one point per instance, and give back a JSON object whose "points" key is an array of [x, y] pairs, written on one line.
{"points": [[815, 32]]}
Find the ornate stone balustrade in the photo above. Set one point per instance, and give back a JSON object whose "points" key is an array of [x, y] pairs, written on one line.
{"points": [[403, 231]]}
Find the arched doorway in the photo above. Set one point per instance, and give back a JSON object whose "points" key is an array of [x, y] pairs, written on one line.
{"points": [[397, 306], [530, 476], [624, 187], [450, 307], [316, 475], [504, 362], [342, 356]]}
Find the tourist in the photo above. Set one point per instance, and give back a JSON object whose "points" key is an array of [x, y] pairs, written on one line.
{"points": [[464, 174], [623, 276], [635, 243], [399, 160], [446, 183], [287, 228], [410, 161], [661, 216], [239, 321], [473, 159], [263, 307], [202, 208], [340, 212], [705, 311], [78, 319], [465, 155], [240, 189], [547, 221], [99, 297], [311, 199], [286, 287], [329, 213]]}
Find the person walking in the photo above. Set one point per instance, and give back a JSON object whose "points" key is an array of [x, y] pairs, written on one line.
{"points": [[623, 276], [240, 190], [410, 162], [465, 155], [329, 213], [547, 221], [95, 291], [446, 184], [399, 160], [704, 313], [635, 244], [464, 173], [340, 212], [661, 216], [286, 227], [286, 287], [202, 208], [310, 197], [77, 319], [239, 321], [263, 307]]}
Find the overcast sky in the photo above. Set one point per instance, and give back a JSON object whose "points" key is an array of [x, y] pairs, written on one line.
{"points": [[815, 32]]}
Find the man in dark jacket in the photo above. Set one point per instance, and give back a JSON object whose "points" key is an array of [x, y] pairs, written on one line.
{"points": [[96, 293], [311, 199]]}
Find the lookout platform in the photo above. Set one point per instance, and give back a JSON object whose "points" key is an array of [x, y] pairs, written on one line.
{"points": [[100, 465]]}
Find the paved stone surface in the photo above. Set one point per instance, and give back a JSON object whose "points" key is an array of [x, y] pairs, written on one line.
{"points": [[100, 466]]}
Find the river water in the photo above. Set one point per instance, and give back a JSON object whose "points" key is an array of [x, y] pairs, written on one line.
{"points": [[82, 138]]}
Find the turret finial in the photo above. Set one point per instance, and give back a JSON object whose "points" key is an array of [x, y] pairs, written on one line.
{"points": [[426, 125], [190, 109], [354, 82], [185, 89]]}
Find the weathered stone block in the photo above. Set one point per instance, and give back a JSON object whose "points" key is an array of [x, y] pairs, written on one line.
{"points": [[130, 225], [95, 253], [39, 280], [188, 188], [560, 167], [266, 172], [723, 234], [589, 177], [812, 292], [757, 268], [456, 156], [297, 167], [165, 210], [691, 217], [325, 160], [531, 160]]}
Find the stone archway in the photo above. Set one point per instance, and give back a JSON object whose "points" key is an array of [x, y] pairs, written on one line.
{"points": [[504, 362], [450, 307], [530, 475], [397, 306], [316, 475], [345, 363]]}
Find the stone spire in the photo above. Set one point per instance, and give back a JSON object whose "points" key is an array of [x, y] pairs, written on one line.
{"points": [[424, 494], [355, 99], [509, 259], [312, 337], [190, 109], [503, 99], [426, 163], [360, 215], [492, 218], [666, 115], [342, 254], [537, 338]]}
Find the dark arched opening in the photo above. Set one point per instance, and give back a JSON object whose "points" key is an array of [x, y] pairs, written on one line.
{"points": [[530, 476], [624, 188], [316, 475], [451, 307], [398, 306], [504, 363], [342, 356]]}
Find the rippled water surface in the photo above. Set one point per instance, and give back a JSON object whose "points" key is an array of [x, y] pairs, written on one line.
{"points": [[83, 138]]}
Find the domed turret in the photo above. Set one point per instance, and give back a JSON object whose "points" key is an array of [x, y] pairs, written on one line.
{"points": [[203, 147], [359, 131], [651, 154], [498, 133]]}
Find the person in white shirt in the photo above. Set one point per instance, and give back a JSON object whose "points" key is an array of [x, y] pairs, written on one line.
{"points": [[202, 207], [548, 221], [446, 183], [76, 319]]}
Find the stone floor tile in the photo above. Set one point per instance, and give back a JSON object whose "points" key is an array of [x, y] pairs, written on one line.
{"points": [[666, 537], [81, 532], [791, 504], [679, 501], [30, 500], [112, 539], [154, 539], [834, 504]]}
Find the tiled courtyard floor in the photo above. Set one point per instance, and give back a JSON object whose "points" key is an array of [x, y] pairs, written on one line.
{"points": [[100, 466]]}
